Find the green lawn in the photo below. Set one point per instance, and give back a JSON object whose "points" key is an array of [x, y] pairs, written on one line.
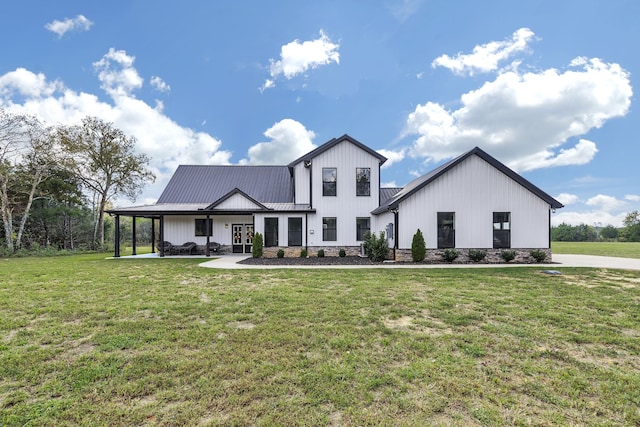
{"points": [[615, 249], [89, 341]]}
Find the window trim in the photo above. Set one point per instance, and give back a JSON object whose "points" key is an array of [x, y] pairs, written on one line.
{"points": [[368, 182], [326, 229], [442, 243], [501, 230], [298, 232], [361, 236], [326, 193], [201, 231], [271, 234]]}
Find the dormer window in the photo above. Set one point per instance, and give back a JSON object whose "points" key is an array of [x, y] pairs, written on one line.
{"points": [[329, 181], [363, 181]]}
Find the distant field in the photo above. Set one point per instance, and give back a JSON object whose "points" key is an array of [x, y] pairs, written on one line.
{"points": [[615, 249], [163, 342]]}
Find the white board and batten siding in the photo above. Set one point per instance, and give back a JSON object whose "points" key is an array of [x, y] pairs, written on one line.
{"points": [[237, 202], [346, 206], [283, 225], [181, 229], [474, 190]]}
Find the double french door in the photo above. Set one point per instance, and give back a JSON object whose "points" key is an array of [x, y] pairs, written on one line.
{"points": [[242, 238]]}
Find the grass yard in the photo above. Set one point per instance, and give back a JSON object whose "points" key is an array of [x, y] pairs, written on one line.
{"points": [[163, 342], [615, 249]]}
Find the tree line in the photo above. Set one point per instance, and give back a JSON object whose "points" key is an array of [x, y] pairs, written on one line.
{"points": [[629, 232], [57, 181]]}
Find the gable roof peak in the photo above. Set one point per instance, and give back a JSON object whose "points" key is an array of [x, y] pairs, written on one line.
{"points": [[332, 143]]}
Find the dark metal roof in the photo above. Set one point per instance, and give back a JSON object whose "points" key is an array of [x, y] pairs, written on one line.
{"points": [[387, 193], [207, 184], [420, 182], [332, 143]]}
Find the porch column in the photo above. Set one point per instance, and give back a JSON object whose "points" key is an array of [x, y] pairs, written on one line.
{"points": [[208, 232], [116, 238], [161, 235], [153, 235], [133, 236]]}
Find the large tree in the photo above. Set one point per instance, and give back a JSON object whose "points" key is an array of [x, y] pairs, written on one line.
{"points": [[104, 159], [631, 230], [27, 153]]}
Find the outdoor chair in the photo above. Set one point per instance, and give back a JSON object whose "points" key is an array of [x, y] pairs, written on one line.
{"points": [[185, 248], [215, 247], [165, 247]]}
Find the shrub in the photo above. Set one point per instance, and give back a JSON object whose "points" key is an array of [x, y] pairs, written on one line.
{"points": [[367, 243], [450, 255], [321, 253], [418, 247], [280, 253], [342, 253], [256, 249], [538, 255], [508, 255], [377, 248], [303, 253], [477, 255]]}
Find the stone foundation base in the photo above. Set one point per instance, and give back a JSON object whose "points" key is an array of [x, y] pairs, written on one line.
{"points": [[312, 251], [493, 256]]}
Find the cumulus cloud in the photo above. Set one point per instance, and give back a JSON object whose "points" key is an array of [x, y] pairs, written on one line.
{"points": [[392, 156], [166, 142], [159, 84], [599, 218], [525, 118], [567, 199], [79, 23], [486, 57], [606, 203], [296, 58], [289, 140], [632, 197]]}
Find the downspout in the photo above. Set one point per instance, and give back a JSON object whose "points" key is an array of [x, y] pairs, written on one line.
{"points": [[208, 232], [116, 237], [395, 231], [306, 232], [133, 236], [549, 226]]}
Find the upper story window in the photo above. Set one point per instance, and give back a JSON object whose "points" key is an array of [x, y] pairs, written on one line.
{"points": [[329, 181], [363, 181], [501, 230]]}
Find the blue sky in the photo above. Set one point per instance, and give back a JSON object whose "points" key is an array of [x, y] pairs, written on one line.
{"points": [[544, 86]]}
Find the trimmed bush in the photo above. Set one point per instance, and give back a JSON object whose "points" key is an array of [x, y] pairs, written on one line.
{"points": [[477, 255], [256, 249], [321, 253], [538, 255], [303, 253], [450, 255], [377, 248], [342, 253], [508, 255], [418, 247], [280, 253]]}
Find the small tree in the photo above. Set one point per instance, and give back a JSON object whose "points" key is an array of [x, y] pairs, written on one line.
{"points": [[418, 247], [256, 249]]}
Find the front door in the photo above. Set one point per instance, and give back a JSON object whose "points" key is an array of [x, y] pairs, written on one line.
{"points": [[242, 238]]}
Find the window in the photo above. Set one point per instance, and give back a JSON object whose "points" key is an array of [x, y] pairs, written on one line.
{"points": [[501, 230], [329, 232], [363, 181], [201, 227], [446, 230], [363, 226], [329, 181], [295, 231], [270, 232]]}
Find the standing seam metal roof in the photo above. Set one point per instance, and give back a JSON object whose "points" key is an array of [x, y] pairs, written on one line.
{"points": [[208, 183]]}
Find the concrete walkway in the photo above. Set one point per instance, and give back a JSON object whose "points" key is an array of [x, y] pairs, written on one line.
{"points": [[559, 260]]}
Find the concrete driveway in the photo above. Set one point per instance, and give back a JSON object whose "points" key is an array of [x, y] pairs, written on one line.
{"points": [[559, 260]]}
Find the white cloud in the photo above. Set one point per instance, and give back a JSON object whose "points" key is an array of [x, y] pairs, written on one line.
{"points": [[403, 9], [392, 156], [167, 143], [289, 140], [296, 58], [486, 57], [524, 119], [69, 24], [599, 218], [117, 74], [632, 197], [567, 199], [606, 203], [159, 84], [390, 184]]}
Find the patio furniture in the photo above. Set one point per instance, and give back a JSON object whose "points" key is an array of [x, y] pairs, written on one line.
{"points": [[185, 248], [165, 247]]}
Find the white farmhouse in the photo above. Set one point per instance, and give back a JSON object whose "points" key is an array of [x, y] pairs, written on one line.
{"points": [[331, 197]]}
